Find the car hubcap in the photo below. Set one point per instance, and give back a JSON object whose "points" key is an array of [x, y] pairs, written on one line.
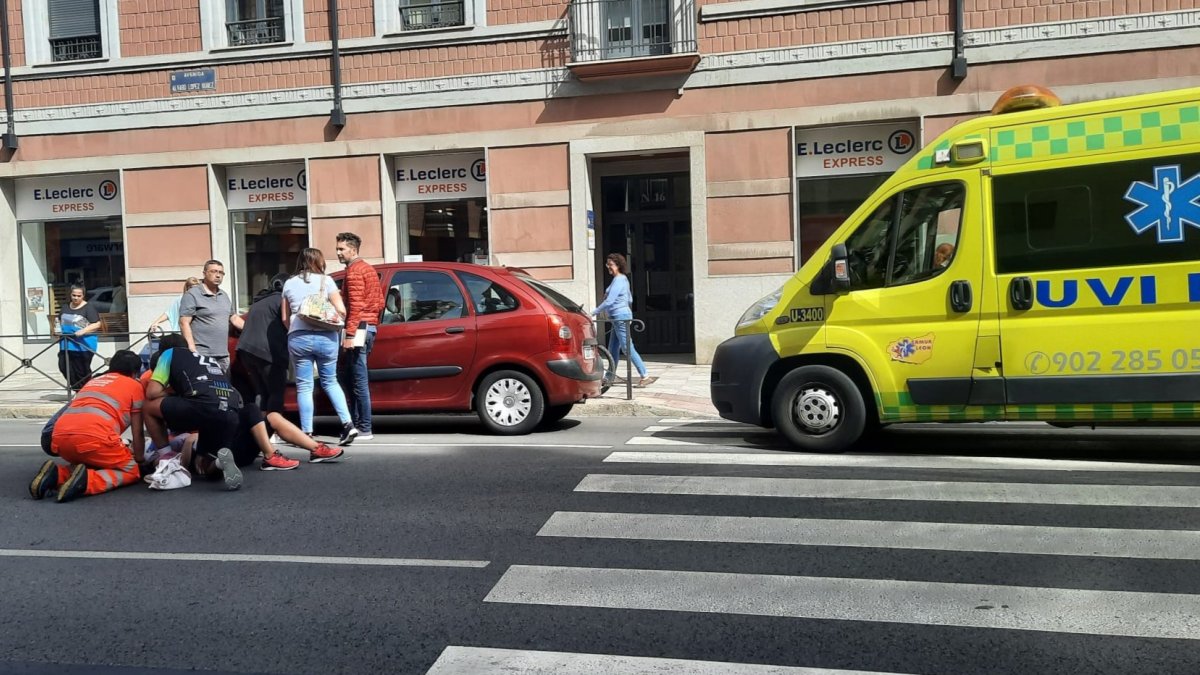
{"points": [[508, 402], [817, 410]]}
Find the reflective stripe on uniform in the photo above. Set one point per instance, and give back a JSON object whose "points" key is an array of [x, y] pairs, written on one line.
{"points": [[101, 397], [83, 410]]}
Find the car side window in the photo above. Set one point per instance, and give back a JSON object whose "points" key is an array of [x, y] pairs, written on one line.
{"points": [[488, 296], [911, 237], [414, 295]]}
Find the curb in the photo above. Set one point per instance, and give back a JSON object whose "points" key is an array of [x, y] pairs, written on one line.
{"points": [[28, 412]]}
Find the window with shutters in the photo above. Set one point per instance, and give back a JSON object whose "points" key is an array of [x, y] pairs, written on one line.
{"points": [[255, 22], [70, 31], [74, 30]]}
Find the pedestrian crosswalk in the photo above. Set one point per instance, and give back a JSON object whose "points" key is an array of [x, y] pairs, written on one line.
{"points": [[703, 489]]}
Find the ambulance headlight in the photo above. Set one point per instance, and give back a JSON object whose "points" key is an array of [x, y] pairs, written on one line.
{"points": [[759, 309]]}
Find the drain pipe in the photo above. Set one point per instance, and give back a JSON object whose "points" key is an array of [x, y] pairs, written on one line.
{"points": [[337, 116], [10, 134], [958, 66]]}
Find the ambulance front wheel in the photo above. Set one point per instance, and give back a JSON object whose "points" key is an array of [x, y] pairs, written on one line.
{"points": [[819, 409]]}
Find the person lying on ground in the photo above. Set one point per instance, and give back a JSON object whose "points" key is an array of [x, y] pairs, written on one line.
{"points": [[253, 439], [86, 437], [191, 392]]}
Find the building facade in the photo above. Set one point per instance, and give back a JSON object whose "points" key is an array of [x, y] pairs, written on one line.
{"points": [[716, 144]]}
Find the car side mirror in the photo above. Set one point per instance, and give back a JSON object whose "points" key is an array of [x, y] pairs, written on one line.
{"points": [[835, 275]]}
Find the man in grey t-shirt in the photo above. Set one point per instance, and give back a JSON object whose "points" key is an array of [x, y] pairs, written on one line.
{"points": [[205, 313]]}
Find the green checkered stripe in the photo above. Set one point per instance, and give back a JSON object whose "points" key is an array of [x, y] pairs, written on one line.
{"points": [[1099, 133], [900, 408], [925, 161]]}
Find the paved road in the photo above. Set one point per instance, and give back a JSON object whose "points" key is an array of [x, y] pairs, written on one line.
{"points": [[625, 545]]}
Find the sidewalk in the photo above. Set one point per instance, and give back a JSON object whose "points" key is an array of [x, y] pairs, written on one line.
{"points": [[680, 391]]}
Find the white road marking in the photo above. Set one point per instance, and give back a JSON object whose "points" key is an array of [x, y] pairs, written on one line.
{"points": [[725, 432], [1057, 610], [1023, 539], [481, 661], [658, 440], [929, 491], [892, 461], [685, 421], [240, 557]]}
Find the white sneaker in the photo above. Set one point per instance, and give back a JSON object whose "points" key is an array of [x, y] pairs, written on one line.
{"points": [[275, 439], [365, 436]]}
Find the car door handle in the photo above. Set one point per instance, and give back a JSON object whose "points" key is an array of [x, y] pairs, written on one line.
{"points": [[1020, 293], [456, 329], [960, 296]]}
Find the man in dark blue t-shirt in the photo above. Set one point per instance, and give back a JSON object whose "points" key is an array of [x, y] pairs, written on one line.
{"points": [[190, 392]]}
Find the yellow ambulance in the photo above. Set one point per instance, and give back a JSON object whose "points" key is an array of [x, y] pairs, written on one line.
{"points": [[1039, 263]]}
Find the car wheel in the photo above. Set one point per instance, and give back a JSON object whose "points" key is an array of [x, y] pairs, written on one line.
{"points": [[509, 403], [819, 409], [555, 413]]}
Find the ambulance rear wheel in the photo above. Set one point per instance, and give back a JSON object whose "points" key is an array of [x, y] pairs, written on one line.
{"points": [[819, 409]]}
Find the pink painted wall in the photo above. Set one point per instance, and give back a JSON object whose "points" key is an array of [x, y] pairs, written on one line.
{"points": [[166, 190], [343, 179], [152, 27], [749, 219], [747, 155], [167, 246], [538, 229], [356, 19], [324, 233], [536, 168]]}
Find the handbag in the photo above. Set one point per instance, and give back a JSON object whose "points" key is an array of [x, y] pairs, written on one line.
{"points": [[318, 310]]}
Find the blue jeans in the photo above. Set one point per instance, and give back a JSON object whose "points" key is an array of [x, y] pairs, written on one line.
{"points": [[357, 384], [616, 345], [319, 349]]}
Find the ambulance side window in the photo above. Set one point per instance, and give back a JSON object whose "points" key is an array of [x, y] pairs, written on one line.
{"points": [[911, 237], [927, 233], [868, 248]]}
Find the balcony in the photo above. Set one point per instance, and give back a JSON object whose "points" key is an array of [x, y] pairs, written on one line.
{"points": [[627, 38], [75, 48], [428, 15], [255, 31]]}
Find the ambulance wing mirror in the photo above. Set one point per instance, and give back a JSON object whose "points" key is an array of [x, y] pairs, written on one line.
{"points": [[841, 267], [835, 275]]}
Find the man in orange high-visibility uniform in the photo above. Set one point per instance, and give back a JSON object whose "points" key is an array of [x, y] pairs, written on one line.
{"points": [[88, 435]]}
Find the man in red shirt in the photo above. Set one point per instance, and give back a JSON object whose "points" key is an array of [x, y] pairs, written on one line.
{"points": [[88, 436], [364, 302]]}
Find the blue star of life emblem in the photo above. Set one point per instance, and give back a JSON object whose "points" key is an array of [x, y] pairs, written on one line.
{"points": [[1166, 206], [906, 347]]}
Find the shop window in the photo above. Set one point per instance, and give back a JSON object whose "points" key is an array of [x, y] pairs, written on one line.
{"points": [[265, 243], [453, 231], [57, 254], [422, 296], [911, 237], [826, 203], [1088, 216], [488, 297]]}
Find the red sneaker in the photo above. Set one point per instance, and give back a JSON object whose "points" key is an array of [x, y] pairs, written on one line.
{"points": [[278, 462], [324, 453]]}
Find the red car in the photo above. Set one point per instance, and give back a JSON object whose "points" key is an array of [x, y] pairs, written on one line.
{"points": [[456, 337]]}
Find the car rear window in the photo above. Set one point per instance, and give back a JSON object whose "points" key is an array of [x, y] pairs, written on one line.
{"points": [[554, 297]]}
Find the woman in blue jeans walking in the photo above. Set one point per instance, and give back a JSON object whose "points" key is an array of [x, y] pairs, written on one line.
{"points": [[618, 303], [314, 344]]}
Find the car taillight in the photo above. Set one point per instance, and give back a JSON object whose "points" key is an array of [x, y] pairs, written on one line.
{"points": [[560, 333]]}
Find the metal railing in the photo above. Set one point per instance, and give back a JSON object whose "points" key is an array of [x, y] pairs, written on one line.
{"points": [[255, 31], [621, 29], [76, 48], [28, 363], [431, 15], [631, 325]]}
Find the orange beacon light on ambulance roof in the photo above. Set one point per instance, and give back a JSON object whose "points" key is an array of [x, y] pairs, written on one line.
{"points": [[1025, 97]]}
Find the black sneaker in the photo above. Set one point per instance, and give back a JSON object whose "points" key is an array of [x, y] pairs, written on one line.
{"points": [[349, 433], [74, 486], [233, 475], [46, 480]]}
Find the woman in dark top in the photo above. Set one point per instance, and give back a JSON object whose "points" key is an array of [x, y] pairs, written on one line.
{"points": [[263, 347], [78, 324]]}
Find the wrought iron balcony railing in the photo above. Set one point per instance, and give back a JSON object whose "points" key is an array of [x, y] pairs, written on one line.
{"points": [[622, 29], [255, 31], [76, 48], [431, 15]]}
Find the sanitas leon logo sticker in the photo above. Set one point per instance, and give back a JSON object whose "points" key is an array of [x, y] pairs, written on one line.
{"points": [[912, 350]]}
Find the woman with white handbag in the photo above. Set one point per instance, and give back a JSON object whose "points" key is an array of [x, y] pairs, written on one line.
{"points": [[315, 314]]}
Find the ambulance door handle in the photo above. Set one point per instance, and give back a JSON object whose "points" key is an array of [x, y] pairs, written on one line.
{"points": [[1020, 293], [960, 296]]}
